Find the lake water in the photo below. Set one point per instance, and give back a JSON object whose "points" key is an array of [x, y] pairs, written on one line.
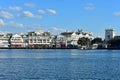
{"points": [[71, 64]]}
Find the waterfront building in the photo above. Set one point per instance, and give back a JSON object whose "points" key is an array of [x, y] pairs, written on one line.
{"points": [[60, 41], [80, 34], [109, 34], [68, 37], [5, 40], [25, 39], [53, 41], [39, 39], [17, 41]]}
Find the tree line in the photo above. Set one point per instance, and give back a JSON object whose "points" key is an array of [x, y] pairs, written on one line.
{"points": [[85, 41], [113, 43]]}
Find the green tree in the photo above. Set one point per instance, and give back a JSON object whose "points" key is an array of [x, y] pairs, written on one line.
{"points": [[83, 41], [97, 40], [115, 42]]}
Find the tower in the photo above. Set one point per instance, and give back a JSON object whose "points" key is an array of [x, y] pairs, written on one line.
{"points": [[109, 34]]}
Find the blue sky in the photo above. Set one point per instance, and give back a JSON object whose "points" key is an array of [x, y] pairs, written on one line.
{"points": [[59, 15]]}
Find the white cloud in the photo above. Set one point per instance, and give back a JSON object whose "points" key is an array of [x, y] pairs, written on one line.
{"points": [[2, 22], [11, 24], [89, 7], [30, 5], [47, 11], [14, 24], [0, 8], [57, 30], [15, 8], [51, 11], [41, 11], [117, 13], [29, 14], [7, 15], [32, 27]]}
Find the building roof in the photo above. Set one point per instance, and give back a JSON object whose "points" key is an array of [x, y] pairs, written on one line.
{"points": [[16, 35], [66, 33]]}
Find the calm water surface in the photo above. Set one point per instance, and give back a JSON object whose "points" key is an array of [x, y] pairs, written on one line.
{"points": [[71, 64]]}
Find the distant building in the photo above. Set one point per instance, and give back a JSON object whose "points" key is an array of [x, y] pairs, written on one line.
{"points": [[5, 40], [17, 41], [109, 34], [39, 39], [60, 41], [67, 35], [80, 34], [25, 39]]}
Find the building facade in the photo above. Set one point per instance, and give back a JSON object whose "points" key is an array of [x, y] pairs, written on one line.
{"points": [[80, 34], [60, 41], [39, 39], [109, 34], [16, 41], [5, 40], [67, 35], [25, 39]]}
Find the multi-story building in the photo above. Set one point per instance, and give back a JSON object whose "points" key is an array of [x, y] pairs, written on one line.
{"points": [[17, 41], [109, 34], [5, 40], [25, 39], [60, 41], [80, 34], [67, 35], [39, 39]]}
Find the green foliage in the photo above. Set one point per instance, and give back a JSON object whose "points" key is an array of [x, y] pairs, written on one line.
{"points": [[114, 42], [83, 41], [97, 40]]}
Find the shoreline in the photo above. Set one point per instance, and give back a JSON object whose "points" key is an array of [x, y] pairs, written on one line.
{"points": [[38, 48], [63, 48]]}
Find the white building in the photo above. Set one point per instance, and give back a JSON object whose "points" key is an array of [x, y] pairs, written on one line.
{"points": [[25, 39], [17, 41], [109, 34], [4, 40], [80, 34], [39, 39], [60, 41]]}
